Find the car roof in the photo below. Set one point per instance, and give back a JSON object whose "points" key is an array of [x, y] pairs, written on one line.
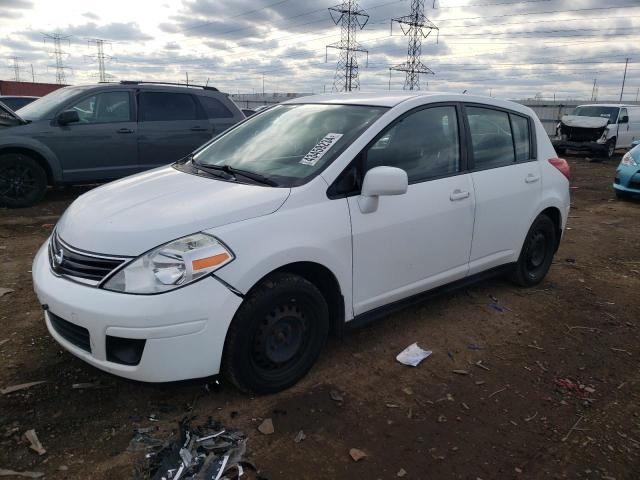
{"points": [[391, 99], [17, 96], [606, 105]]}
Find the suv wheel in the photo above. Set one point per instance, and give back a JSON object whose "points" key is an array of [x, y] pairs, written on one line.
{"points": [[276, 335], [537, 253], [22, 181]]}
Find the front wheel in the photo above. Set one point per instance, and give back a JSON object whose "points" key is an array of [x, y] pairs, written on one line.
{"points": [[276, 335], [537, 253], [23, 181], [611, 148]]}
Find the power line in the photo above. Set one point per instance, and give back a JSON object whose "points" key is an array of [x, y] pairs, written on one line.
{"points": [[351, 19], [414, 26], [58, 54]]}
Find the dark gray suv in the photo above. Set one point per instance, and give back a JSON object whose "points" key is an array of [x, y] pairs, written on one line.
{"points": [[101, 132]]}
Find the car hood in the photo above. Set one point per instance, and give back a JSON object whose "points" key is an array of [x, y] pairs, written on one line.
{"points": [[130, 216], [9, 118], [584, 122]]}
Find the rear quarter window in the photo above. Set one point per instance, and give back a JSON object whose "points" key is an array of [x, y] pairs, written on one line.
{"points": [[214, 108]]}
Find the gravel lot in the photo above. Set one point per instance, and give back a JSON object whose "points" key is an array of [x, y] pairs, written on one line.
{"points": [[557, 397]]}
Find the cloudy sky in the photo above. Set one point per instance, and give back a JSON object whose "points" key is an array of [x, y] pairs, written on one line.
{"points": [[507, 48]]}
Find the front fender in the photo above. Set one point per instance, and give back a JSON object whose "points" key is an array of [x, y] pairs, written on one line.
{"points": [[27, 143], [319, 233]]}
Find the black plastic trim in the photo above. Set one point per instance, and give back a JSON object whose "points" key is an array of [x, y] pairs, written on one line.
{"points": [[365, 318]]}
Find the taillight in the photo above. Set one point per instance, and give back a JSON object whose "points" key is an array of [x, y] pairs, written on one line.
{"points": [[562, 165]]}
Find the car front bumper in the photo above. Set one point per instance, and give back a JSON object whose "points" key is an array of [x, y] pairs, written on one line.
{"points": [[588, 147], [627, 179], [182, 331]]}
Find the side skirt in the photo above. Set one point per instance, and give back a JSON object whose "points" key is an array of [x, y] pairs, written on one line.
{"points": [[365, 318]]}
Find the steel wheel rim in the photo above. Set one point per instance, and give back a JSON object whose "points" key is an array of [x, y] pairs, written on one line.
{"points": [[536, 251], [282, 336]]}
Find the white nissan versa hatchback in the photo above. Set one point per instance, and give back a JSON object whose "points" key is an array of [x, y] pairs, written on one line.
{"points": [[309, 217]]}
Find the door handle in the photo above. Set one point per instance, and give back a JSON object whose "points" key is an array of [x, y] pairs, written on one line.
{"points": [[459, 195], [124, 130], [198, 128], [531, 178]]}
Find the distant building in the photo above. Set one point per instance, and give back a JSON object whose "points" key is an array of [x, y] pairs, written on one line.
{"points": [[28, 89]]}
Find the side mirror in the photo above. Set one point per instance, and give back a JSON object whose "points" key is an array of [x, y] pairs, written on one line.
{"points": [[381, 181], [67, 116], [624, 119]]}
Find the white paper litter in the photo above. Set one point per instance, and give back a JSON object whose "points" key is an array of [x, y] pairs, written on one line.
{"points": [[413, 355]]}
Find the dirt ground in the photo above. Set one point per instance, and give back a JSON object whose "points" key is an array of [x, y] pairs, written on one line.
{"points": [[555, 394]]}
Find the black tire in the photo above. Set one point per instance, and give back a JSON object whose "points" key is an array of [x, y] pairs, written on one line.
{"points": [[611, 149], [276, 335], [620, 195], [23, 181], [537, 253]]}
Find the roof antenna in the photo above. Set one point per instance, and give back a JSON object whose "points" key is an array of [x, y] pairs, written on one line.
{"points": [[464, 91]]}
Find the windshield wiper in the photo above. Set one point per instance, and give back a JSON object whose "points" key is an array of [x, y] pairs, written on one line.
{"points": [[233, 172]]}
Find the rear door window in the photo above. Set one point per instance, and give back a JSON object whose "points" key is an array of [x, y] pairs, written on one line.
{"points": [[491, 138], [166, 106], [214, 108]]}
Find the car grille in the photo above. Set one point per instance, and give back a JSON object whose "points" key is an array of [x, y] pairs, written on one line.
{"points": [[71, 332], [67, 261], [577, 134]]}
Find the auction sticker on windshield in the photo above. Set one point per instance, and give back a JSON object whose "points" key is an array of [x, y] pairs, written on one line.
{"points": [[322, 147]]}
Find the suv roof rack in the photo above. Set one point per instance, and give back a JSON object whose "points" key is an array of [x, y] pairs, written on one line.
{"points": [[136, 82]]}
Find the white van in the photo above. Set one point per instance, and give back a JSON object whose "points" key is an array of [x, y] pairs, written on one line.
{"points": [[304, 219], [599, 128]]}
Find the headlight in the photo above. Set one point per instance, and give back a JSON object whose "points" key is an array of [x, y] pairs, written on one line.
{"points": [[171, 265], [628, 160]]}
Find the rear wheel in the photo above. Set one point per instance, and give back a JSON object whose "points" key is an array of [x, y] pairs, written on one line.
{"points": [[537, 253], [22, 181], [276, 335]]}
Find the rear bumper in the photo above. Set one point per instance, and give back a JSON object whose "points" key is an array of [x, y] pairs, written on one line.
{"points": [[182, 332]]}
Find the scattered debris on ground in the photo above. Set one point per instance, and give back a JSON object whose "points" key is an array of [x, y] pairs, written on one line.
{"points": [[206, 452], [413, 355], [34, 443], [21, 386], [356, 454]]}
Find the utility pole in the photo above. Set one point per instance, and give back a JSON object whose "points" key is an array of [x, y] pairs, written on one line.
{"points": [[417, 27], [33, 75], [351, 19], [594, 90], [187, 77], [624, 78], [100, 57], [58, 54], [637, 92], [16, 68]]}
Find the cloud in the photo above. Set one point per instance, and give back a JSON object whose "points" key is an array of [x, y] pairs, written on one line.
{"points": [[112, 31], [91, 16], [16, 4]]}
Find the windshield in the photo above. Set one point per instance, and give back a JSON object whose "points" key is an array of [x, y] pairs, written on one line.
{"points": [[290, 143], [610, 113], [39, 108]]}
